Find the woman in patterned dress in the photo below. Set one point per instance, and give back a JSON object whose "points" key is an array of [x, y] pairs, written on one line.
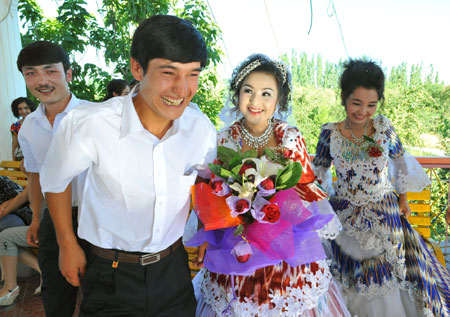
{"points": [[21, 107], [260, 87], [382, 264]]}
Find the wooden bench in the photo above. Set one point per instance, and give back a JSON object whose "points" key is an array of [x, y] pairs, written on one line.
{"points": [[420, 204], [11, 169]]}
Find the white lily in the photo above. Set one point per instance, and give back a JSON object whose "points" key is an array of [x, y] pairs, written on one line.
{"points": [[264, 168], [246, 190]]}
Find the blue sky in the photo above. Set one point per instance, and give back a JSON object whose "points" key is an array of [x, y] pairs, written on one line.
{"points": [[388, 31]]}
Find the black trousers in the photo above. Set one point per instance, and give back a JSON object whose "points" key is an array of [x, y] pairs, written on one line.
{"points": [[59, 296], [163, 288]]}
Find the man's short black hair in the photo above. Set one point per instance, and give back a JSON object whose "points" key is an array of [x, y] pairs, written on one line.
{"points": [[168, 37], [42, 53]]}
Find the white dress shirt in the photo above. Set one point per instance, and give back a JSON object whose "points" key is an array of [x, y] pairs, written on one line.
{"points": [[137, 190], [35, 137]]}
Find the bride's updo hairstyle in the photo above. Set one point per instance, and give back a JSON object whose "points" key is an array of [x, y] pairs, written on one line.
{"points": [[359, 73], [262, 63]]}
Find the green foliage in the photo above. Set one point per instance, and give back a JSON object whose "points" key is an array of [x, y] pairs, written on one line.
{"points": [[76, 29]]}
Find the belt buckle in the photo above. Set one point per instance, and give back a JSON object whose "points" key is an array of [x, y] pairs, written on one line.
{"points": [[150, 258]]}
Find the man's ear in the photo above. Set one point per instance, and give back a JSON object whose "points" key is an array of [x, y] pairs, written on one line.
{"points": [[136, 69], [69, 75]]}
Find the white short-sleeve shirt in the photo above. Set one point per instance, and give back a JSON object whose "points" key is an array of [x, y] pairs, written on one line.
{"points": [[137, 189], [35, 137]]}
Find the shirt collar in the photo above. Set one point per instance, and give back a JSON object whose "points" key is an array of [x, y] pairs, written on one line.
{"points": [[73, 102], [132, 124]]}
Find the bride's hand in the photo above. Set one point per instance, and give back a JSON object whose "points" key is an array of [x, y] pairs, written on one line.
{"points": [[201, 250]]}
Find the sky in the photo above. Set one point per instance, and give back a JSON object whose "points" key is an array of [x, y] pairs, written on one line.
{"points": [[388, 31]]}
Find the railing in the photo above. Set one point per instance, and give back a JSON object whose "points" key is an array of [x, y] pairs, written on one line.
{"points": [[440, 197]]}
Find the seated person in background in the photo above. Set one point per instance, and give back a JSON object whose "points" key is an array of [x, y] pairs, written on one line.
{"points": [[116, 87], [21, 107], [14, 207], [15, 248]]}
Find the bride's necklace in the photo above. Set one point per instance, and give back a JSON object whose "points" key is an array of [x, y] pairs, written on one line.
{"points": [[257, 142], [360, 140]]}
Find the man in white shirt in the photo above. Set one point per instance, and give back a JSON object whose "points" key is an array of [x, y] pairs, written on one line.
{"points": [[46, 70], [142, 153]]}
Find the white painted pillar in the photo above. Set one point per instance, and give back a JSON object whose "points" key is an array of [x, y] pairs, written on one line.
{"points": [[12, 84]]}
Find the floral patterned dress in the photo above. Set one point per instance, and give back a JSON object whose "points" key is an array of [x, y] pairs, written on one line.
{"points": [[15, 128], [277, 290], [383, 265]]}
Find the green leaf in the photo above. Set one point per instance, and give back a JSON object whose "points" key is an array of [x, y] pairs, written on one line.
{"points": [[250, 154], [289, 176], [227, 155], [235, 162], [218, 170], [239, 230], [369, 139]]}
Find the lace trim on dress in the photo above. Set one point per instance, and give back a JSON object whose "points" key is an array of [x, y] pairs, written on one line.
{"points": [[407, 174], [371, 235], [293, 302]]}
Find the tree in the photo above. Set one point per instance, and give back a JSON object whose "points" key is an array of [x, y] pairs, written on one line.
{"points": [[76, 29]]}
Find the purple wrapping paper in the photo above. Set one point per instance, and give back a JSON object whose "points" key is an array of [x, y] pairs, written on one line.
{"points": [[293, 240]]}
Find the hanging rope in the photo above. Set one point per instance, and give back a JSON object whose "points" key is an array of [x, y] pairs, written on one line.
{"points": [[271, 26], [310, 24], [223, 40], [330, 14]]}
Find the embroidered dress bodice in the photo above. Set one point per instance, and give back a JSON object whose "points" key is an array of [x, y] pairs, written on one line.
{"points": [[362, 178]]}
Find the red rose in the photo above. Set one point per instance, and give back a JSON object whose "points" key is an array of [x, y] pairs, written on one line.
{"points": [[272, 213], [268, 183], [246, 166], [217, 186], [243, 258], [374, 151], [241, 205]]}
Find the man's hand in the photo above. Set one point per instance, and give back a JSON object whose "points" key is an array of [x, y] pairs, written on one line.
{"points": [[32, 233], [72, 263]]}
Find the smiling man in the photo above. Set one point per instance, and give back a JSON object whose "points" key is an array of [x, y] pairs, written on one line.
{"points": [[45, 67], [142, 153]]}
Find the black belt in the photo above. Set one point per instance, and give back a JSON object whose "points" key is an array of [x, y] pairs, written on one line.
{"points": [[133, 257]]}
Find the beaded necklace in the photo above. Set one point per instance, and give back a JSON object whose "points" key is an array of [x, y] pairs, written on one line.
{"points": [[257, 142], [358, 141]]}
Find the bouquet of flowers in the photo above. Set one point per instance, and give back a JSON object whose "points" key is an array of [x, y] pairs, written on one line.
{"points": [[252, 217]]}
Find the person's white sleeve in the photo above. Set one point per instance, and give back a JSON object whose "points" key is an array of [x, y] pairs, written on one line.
{"points": [[210, 152], [29, 161], [71, 152], [407, 174]]}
